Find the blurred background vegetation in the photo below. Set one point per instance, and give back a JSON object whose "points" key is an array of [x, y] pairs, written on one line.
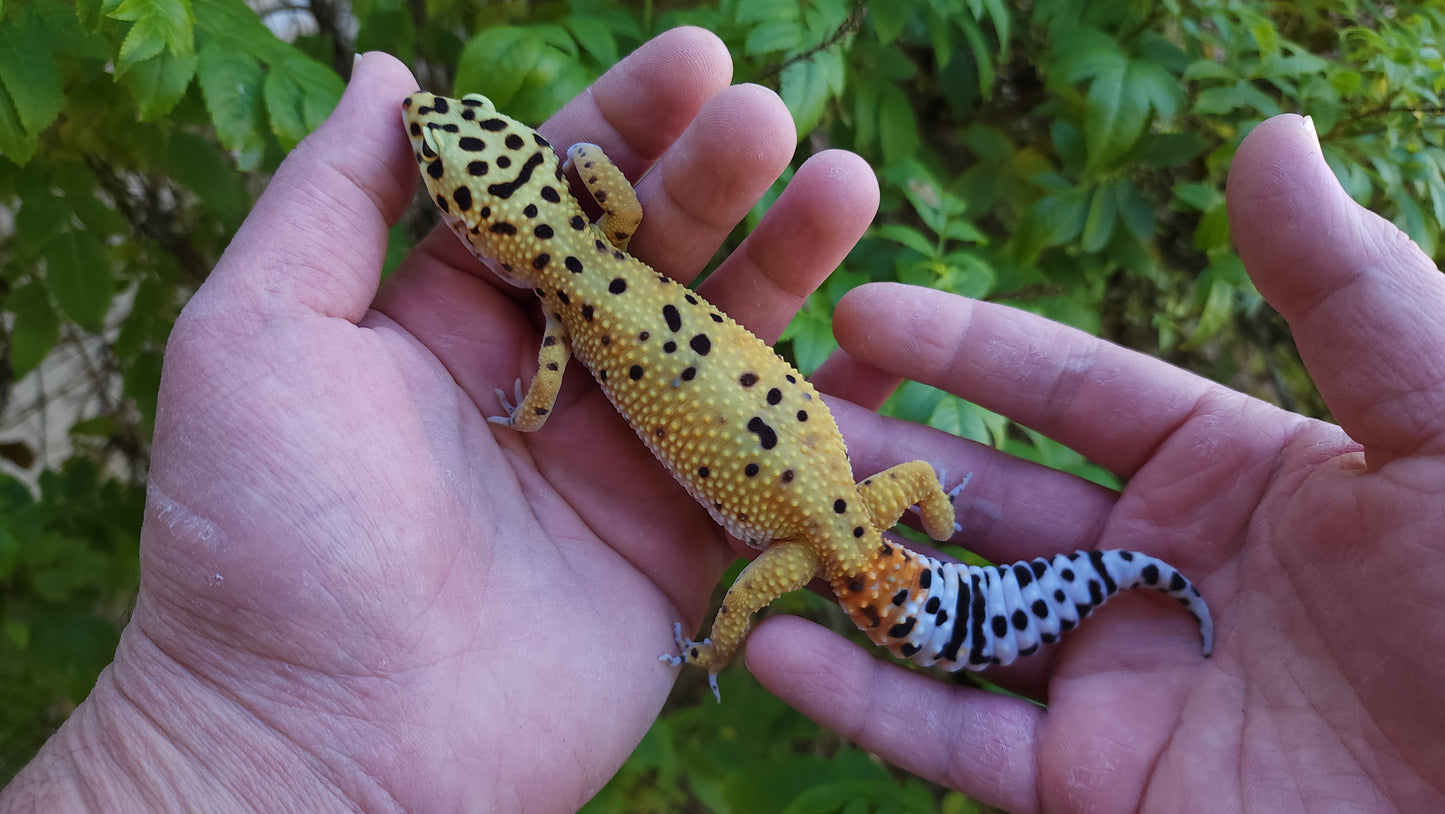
{"points": [[1062, 156]]}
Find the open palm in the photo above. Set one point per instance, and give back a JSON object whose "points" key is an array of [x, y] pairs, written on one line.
{"points": [[1318, 548], [354, 581]]}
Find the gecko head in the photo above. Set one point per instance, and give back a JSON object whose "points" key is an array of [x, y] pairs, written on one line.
{"points": [[483, 170]]}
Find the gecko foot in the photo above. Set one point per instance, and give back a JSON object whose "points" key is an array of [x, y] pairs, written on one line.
{"points": [[510, 408], [692, 652]]}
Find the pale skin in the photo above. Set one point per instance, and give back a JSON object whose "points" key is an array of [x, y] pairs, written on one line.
{"points": [[357, 593]]}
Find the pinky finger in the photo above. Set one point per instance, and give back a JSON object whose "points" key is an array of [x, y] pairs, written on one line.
{"points": [[982, 744]]}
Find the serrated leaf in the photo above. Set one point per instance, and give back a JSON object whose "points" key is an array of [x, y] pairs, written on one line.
{"points": [[804, 88], [232, 84], [299, 94], [888, 20], [16, 143], [78, 275], [157, 25], [773, 36], [905, 235], [1099, 223], [1114, 116], [1085, 54], [36, 328], [595, 37], [30, 74], [230, 21], [897, 129], [159, 82]]}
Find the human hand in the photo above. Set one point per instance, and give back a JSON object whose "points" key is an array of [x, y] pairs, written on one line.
{"points": [[355, 591], [1319, 547]]}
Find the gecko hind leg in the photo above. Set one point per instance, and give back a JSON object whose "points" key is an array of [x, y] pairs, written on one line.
{"points": [[891, 492], [621, 211], [785, 565]]}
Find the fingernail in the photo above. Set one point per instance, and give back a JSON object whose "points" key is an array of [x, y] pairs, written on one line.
{"points": [[1314, 134]]}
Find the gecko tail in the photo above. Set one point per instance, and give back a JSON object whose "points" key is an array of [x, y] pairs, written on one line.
{"points": [[967, 617]]}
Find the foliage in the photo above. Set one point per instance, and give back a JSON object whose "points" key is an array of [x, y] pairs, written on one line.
{"points": [[1062, 156]]}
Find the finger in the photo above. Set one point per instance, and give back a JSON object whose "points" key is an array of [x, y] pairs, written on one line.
{"points": [[805, 235], [641, 105], [844, 377], [1366, 306], [316, 239], [1110, 404], [1011, 510], [982, 744], [738, 145]]}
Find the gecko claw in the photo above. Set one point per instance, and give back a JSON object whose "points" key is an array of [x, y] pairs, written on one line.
{"points": [[508, 407]]}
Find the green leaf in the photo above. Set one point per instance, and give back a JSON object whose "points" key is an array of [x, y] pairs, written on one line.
{"points": [[1099, 223], [907, 236], [806, 88], [16, 143], [233, 85], [158, 25], [300, 93], [1114, 116], [897, 129], [30, 74], [78, 275], [36, 328], [888, 20], [159, 82], [520, 71]]}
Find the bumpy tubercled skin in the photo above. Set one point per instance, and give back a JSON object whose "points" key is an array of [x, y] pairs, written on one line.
{"points": [[740, 429]]}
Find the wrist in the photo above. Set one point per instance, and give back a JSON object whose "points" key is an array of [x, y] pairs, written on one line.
{"points": [[152, 737]]}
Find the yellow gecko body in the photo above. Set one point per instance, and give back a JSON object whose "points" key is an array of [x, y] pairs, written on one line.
{"points": [[735, 424]]}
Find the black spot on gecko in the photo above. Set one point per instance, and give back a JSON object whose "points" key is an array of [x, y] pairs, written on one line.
{"points": [[549, 341], [1000, 625], [901, 629], [775, 395], [703, 472], [541, 142], [900, 597], [907, 650], [858, 532], [688, 374], [578, 222], [549, 194], [691, 300], [787, 476], [436, 170], [587, 313], [871, 614], [451, 128], [540, 261], [416, 128], [791, 378], [504, 161], [716, 317], [551, 365], [1020, 619], [701, 344], [563, 298], [543, 231], [840, 505], [750, 470], [501, 227], [514, 141], [442, 204], [617, 286], [748, 379], [477, 168], [530, 211], [855, 584], [635, 372], [573, 264], [672, 317], [669, 346], [439, 104], [1023, 575], [933, 603], [507, 188], [767, 436], [644, 336], [802, 415], [1040, 608]]}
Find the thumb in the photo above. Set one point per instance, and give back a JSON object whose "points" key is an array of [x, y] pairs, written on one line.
{"points": [[316, 239], [1366, 305]]}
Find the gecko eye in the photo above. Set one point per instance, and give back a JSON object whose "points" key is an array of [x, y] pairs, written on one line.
{"points": [[428, 141]]}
